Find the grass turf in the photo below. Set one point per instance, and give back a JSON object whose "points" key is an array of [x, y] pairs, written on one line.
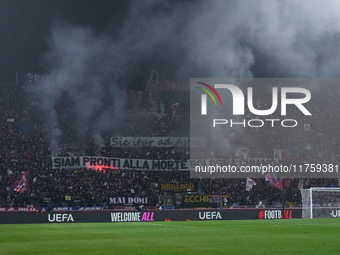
{"points": [[296, 236]]}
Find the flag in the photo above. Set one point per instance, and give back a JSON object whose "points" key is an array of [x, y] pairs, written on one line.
{"points": [[278, 154], [292, 156], [21, 184], [300, 185], [153, 80], [250, 183], [174, 109], [274, 180]]}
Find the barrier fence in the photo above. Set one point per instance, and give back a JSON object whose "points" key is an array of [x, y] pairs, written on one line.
{"points": [[147, 216]]}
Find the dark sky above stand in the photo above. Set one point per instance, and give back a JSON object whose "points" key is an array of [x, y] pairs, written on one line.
{"points": [[25, 26], [193, 38]]}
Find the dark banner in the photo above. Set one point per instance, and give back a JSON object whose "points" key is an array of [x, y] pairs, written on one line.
{"points": [[133, 216], [19, 209], [136, 142], [173, 85], [169, 202], [274, 214], [326, 212], [196, 201], [75, 208], [128, 201], [177, 187], [28, 78], [335, 213]]}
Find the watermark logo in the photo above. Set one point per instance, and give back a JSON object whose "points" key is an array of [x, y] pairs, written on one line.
{"points": [[294, 96], [238, 100], [204, 97]]}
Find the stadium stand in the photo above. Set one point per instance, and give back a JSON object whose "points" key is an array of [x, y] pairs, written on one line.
{"points": [[24, 147]]}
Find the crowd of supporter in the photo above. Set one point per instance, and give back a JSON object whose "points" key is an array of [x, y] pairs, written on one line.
{"points": [[24, 146]]}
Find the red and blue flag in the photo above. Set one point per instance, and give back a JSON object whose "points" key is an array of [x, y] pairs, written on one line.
{"points": [[292, 156], [273, 179], [21, 184]]}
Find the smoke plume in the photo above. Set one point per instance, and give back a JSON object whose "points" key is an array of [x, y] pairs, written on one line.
{"points": [[181, 40]]}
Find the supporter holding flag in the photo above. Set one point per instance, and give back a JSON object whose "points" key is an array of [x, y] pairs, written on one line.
{"points": [[21, 184], [292, 156], [159, 206], [250, 183], [273, 179]]}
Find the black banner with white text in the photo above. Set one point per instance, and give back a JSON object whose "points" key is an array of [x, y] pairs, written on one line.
{"points": [[148, 216]]}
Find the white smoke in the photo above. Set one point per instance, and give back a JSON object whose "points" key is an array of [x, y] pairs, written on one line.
{"points": [[183, 40]]}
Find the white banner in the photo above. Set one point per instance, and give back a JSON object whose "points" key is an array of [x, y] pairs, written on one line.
{"points": [[117, 163], [278, 154], [148, 164], [157, 142]]}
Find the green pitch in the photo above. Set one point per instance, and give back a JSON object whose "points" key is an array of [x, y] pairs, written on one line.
{"points": [[317, 236]]}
